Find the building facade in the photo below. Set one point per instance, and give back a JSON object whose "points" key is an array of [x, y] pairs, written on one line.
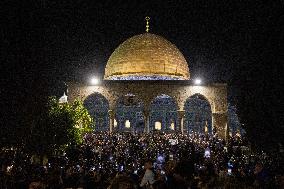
{"points": [[147, 87]]}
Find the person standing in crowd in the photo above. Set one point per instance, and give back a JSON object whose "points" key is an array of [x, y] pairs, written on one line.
{"points": [[149, 177], [261, 176]]}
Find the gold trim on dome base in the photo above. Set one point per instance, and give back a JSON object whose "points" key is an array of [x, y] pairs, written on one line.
{"points": [[147, 55]]}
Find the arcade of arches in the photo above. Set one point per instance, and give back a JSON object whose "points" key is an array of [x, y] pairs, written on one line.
{"points": [[143, 106]]}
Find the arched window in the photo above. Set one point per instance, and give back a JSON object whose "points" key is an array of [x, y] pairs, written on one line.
{"points": [[158, 125], [127, 124], [172, 126]]}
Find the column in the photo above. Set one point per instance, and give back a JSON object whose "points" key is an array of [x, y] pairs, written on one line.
{"points": [[111, 120], [181, 114], [147, 121]]}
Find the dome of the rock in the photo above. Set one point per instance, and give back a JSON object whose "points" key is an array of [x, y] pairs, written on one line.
{"points": [[146, 57]]}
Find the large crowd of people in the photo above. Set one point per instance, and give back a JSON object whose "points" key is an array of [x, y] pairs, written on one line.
{"points": [[154, 160]]}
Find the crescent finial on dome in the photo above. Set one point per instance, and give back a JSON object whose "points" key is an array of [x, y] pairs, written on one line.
{"points": [[147, 18]]}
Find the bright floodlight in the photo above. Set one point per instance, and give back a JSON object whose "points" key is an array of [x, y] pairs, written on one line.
{"points": [[94, 81], [197, 81]]}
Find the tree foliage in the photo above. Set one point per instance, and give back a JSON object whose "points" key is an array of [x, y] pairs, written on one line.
{"points": [[58, 127]]}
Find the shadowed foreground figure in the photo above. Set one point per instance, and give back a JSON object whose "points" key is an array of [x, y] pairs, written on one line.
{"points": [[36, 185], [122, 182]]}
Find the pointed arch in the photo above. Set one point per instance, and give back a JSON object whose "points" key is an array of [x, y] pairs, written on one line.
{"points": [[98, 107], [198, 114]]}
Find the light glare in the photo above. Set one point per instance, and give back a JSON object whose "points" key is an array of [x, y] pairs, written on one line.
{"points": [[94, 81], [197, 81]]}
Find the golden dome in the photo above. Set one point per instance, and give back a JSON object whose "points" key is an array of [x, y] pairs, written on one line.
{"points": [[146, 56]]}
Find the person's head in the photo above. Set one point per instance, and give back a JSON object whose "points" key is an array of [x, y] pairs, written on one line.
{"points": [[258, 167], [35, 185], [148, 165]]}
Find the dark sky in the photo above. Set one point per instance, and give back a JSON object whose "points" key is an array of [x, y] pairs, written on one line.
{"points": [[47, 42]]}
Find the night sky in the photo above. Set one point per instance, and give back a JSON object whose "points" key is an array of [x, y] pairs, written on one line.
{"points": [[45, 43]]}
